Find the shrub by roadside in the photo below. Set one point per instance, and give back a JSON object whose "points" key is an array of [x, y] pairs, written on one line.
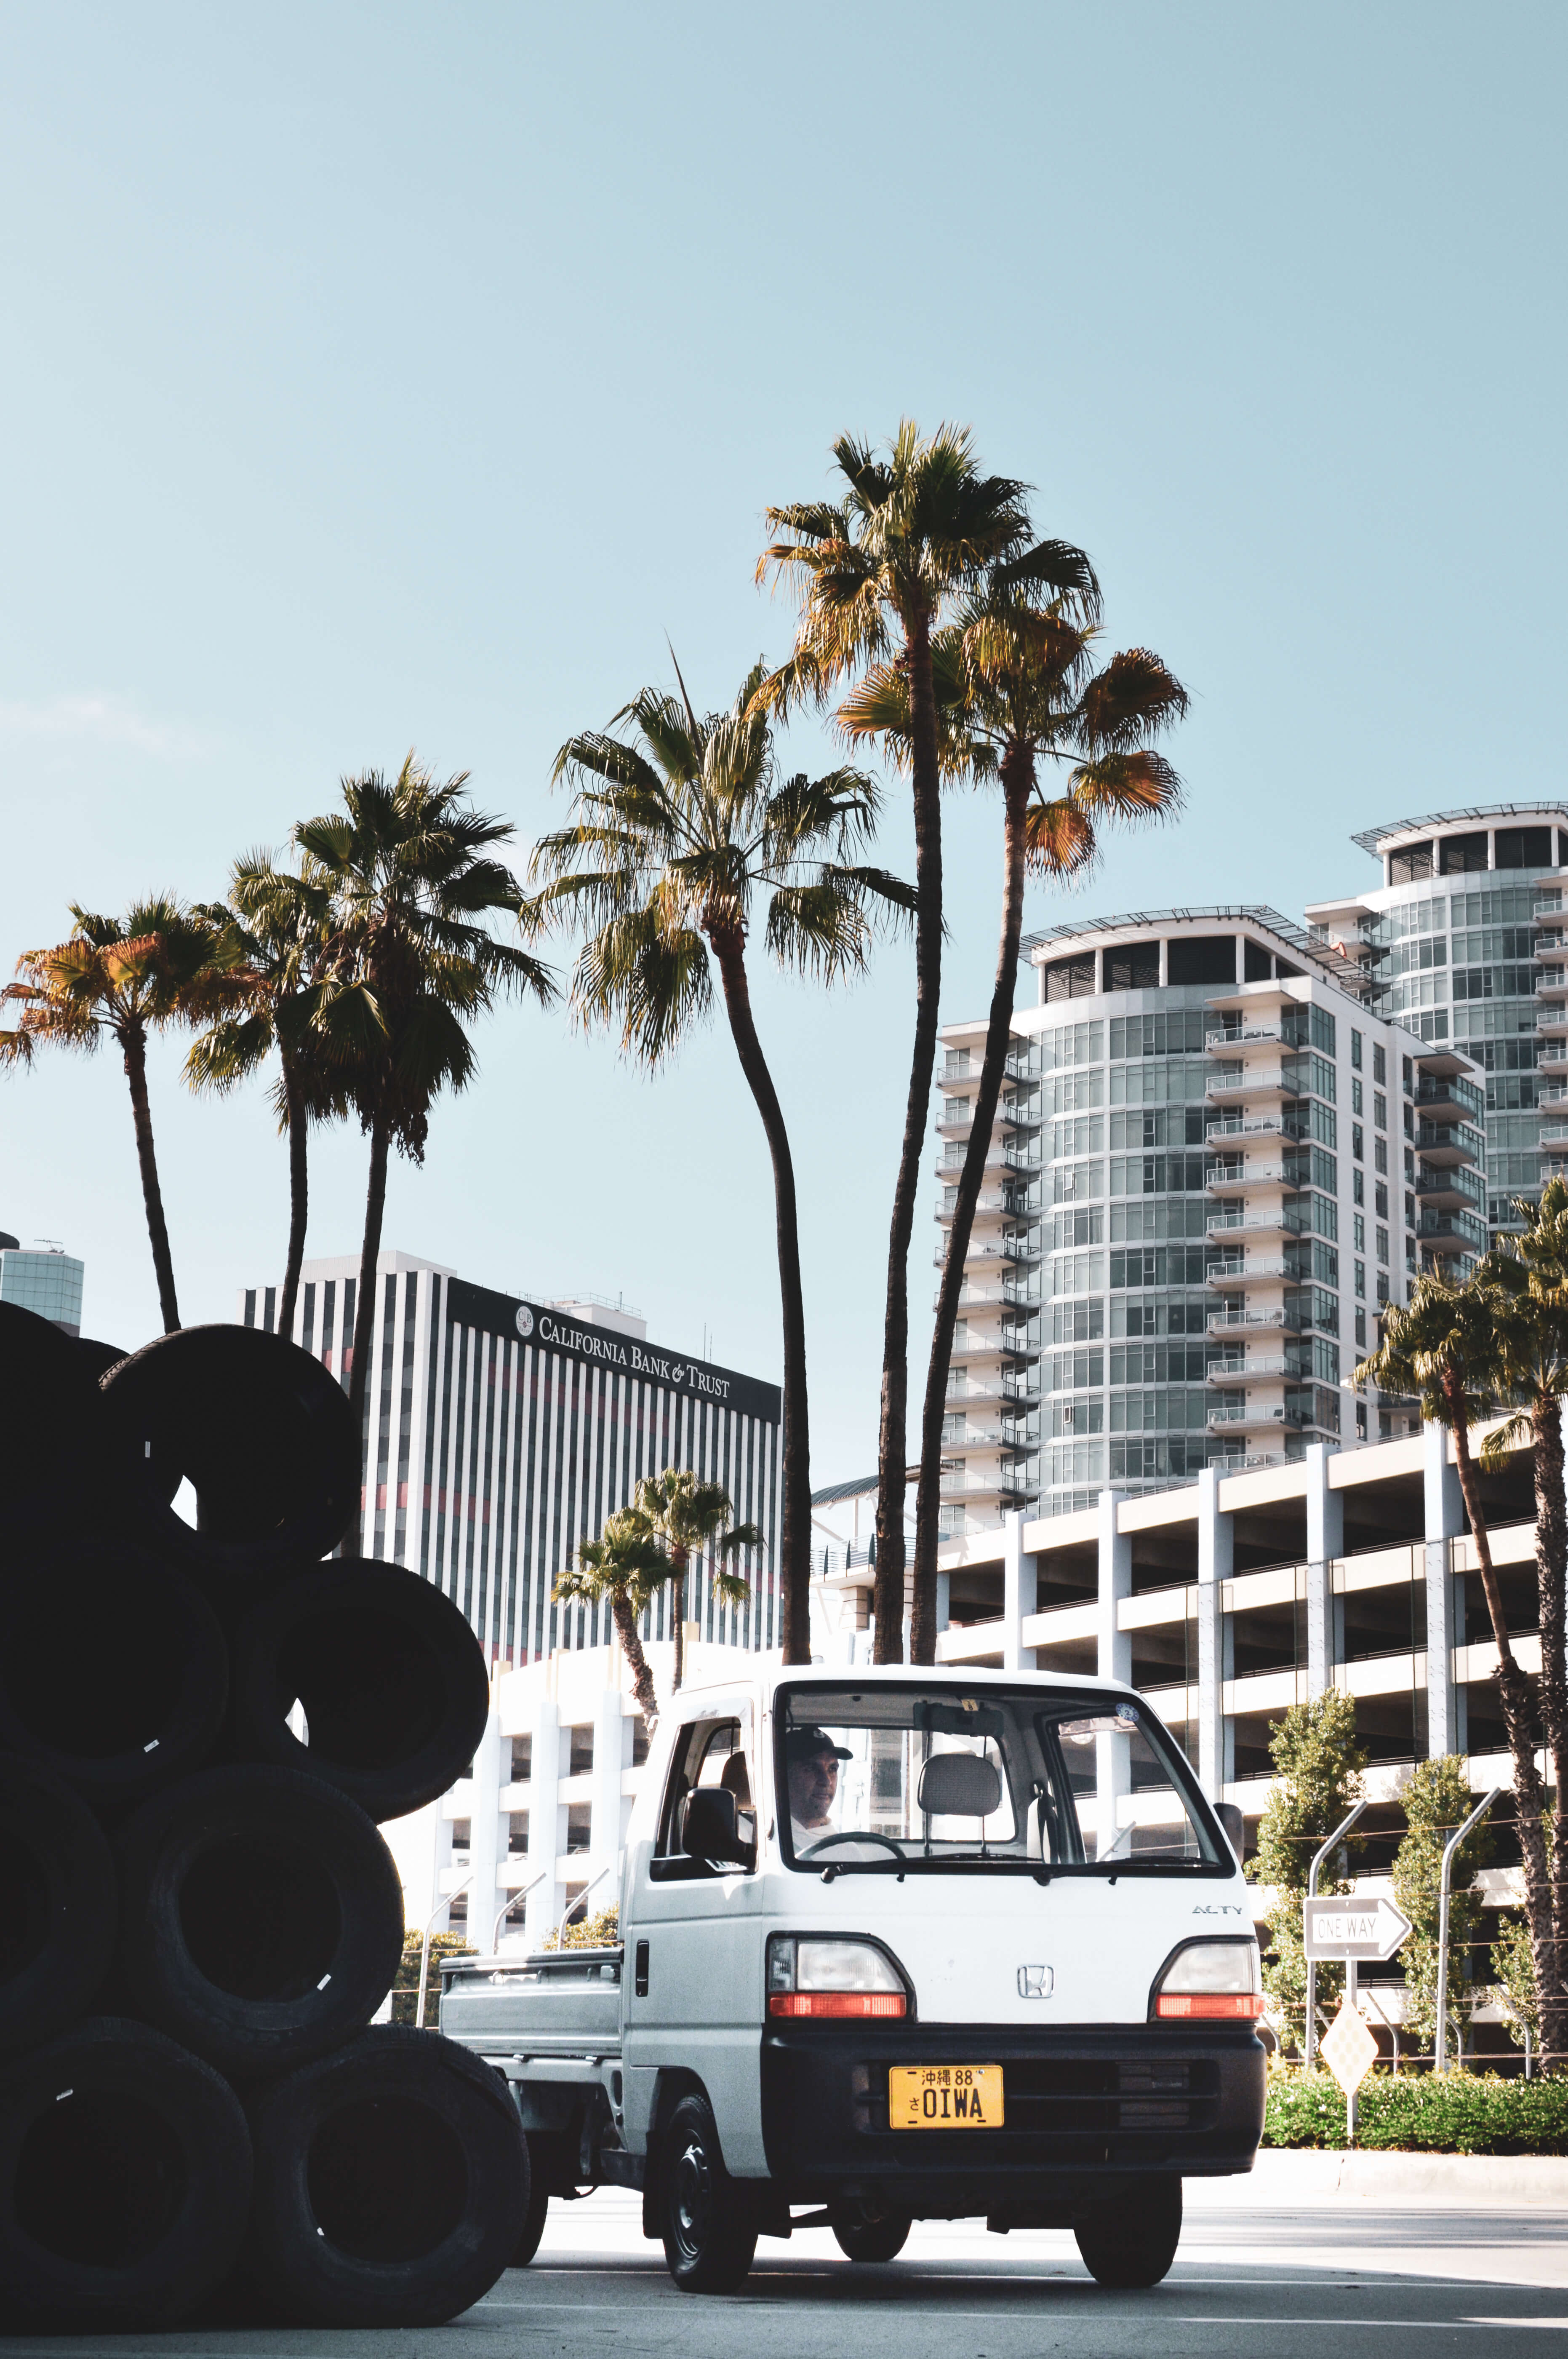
{"points": [[1420, 2113]]}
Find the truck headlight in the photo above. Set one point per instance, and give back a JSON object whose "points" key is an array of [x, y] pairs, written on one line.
{"points": [[1215, 1982], [811, 1977]]}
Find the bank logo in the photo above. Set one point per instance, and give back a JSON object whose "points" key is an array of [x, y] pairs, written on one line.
{"points": [[524, 1319]]}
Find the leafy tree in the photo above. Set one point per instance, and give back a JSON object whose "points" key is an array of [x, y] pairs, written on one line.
{"points": [[689, 1518], [627, 1566], [413, 878], [877, 571], [274, 931], [1016, 686], [1448, 1345], [676, 835], [124, 977], [600, 1931], [1513, 1980], [1320, 1760], [1437, 1800], [405, 1987]]}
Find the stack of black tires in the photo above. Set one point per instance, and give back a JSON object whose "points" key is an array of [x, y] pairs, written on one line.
{"points": [[200, 1723]]}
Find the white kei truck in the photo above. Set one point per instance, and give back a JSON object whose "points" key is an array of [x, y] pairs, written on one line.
{"points": [[896, 1944]]}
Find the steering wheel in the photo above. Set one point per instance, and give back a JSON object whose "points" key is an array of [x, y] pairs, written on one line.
{"points": [[850, 1835]]}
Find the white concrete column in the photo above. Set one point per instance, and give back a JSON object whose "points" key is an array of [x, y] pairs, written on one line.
{"points": [[1019, 1580], [1113, 1660], [1215, 1564], [1445, 1522], [611, 1753], [548, 1900], [487, 1844], [1326, 1541]]}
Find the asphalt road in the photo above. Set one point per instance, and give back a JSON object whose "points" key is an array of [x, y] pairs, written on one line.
{"points": [[1326, 2279]]}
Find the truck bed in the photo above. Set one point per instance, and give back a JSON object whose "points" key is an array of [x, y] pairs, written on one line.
{"points": [[563, 2003]]}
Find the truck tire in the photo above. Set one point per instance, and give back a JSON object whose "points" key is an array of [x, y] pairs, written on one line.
{"points": [[261, 1917], [125, 2181], [533, 2227], [393, 1681], [259, 1428], [390, 2179], [56, 1931], [52, 1413], [707, 2223], [1130, 2238], [114, 1673], [866, 2235]]}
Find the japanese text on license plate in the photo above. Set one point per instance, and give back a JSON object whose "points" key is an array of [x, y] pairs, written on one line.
{"points": [[945, 2097]]}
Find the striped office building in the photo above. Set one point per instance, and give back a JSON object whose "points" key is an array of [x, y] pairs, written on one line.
{"points": [[501, 1432]]}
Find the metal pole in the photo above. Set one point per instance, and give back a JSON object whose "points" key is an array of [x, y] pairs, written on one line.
{"points": [[447, 1901], [1450, 1847], [543, 1877], [583, 1895], [1350, 2100], [1318, 1857], [1526, 2029]]}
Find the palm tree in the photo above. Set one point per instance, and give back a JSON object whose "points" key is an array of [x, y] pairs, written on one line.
{"points": [[625, 1565], [689, 1518], [274, 933], [674, 837], [1444, 1346], [411, 875], [158, 965], [1015, 686], [877, 569]]}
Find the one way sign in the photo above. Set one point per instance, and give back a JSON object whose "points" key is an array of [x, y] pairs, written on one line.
{"points": [[1347, 1929]]}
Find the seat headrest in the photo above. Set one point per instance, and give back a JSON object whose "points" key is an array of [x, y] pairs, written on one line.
{"points": [[959, 1786], [734, 1780]]}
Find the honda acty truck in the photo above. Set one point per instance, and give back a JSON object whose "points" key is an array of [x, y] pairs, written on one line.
{"points": [[896, 1944]]}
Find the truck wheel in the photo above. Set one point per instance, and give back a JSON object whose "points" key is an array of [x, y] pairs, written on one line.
{"points": [[867, 2235], [1130, 2238], [710, 2235], [533, 2224]]}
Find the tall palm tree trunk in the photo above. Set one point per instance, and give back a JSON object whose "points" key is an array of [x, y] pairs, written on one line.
{"points": [[795, 1513], [298, 1197], [893, 1440], [1530, 1796], [133, 1046], [364, 1316], [1017, 779], [1550, 1556], [625, 1623], [678, 1558]]}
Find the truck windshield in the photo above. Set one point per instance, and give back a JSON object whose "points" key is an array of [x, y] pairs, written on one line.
{"points": [[1050, 1781]]}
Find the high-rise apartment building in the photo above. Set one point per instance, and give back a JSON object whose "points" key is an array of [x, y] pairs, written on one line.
{"points": [[47, 1281], [1462, 942], [1212, 1164], [500, 1433]]}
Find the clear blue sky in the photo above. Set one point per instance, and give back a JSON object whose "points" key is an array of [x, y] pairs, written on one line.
{"points": [[378, 376]]}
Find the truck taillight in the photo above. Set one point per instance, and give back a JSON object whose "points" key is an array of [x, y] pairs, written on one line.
{"points": [[1211, 1982], [845, 1979]]}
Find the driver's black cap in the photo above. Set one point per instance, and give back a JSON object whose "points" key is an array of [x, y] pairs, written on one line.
{"points": [[801, 1744]]}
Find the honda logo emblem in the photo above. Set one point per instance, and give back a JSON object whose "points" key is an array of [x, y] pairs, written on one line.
{"points": [[1036, 1982]]}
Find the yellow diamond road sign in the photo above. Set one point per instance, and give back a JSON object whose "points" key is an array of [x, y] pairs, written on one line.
{"points": [[1349, 2049]]}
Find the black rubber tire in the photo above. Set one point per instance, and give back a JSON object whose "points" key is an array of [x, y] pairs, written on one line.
{"points": [[259, 1428], [261, 1917], [125, 2181], [534, 2215], [392, 1680], [1130, 2238], [58, 1478], [864, 2236], [114, 1673], [98, 1358], [390, 2179], [708, 2221], [59, 1918]]}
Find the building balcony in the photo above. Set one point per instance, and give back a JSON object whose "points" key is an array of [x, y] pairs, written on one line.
{"points": [[1254, 1319], [989, 1253], [1554, 985], [1445, 1234], [1004, 1485], [1239, 1178], [1242, 1418], [1551, 1023], [1459, 1189], [1244, 1273], [1232, 1089], [1241, 1371], [1552, 1057], [1448, 1097], [1555, 1137], [1272, 1125], [991, 1295], [1253, 1220], [974, 1349], [1248, 1461], [1456, 1142], [1226, 1043]]}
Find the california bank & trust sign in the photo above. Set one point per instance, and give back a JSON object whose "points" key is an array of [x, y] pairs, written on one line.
{"points": [[592, 1343]]}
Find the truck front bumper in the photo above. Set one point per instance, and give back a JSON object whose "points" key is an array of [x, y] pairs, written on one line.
{"points": [[1083, 2106]]}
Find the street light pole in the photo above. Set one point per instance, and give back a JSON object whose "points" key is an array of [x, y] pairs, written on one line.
{"points": [[1342, 1830], [1450, 1847]]}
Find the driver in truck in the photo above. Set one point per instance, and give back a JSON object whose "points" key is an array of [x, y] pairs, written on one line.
{"points": [[813, 1761]]}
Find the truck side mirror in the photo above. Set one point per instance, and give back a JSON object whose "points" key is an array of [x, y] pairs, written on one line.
{"points": [[1234, 1827], [709, 1828]]}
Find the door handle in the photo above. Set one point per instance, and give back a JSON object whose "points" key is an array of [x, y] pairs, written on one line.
{"points": [[640, 1982]]}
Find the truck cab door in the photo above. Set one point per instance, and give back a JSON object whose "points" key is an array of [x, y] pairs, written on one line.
{"points": [[694, 1986]]}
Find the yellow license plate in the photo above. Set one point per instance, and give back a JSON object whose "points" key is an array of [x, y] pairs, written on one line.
{"points": [[945, 2097]]}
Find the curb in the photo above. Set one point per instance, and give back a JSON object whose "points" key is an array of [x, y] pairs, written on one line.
{"points": [[1284, 2173]]}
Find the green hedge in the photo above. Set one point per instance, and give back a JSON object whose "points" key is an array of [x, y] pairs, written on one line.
{"points": [[1422, 2112]]}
